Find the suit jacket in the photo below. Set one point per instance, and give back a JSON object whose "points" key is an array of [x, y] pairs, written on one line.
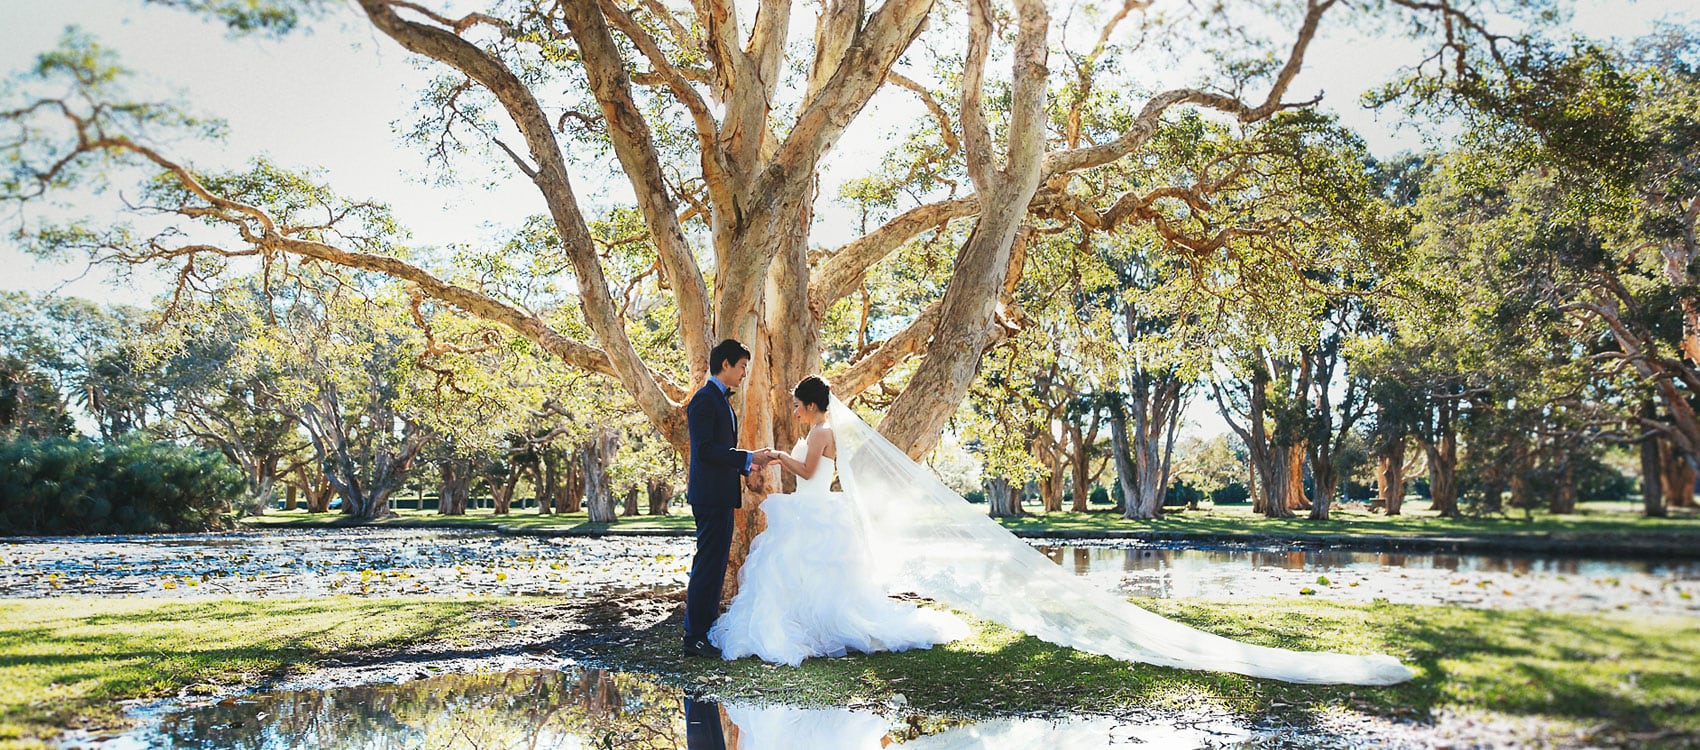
{"points": [[716, 462]]}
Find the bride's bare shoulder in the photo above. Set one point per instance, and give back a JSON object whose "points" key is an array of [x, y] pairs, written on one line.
{"points": [[821, 435]]}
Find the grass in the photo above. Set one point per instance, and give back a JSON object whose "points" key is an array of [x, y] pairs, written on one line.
{"points": [[66, 661], [1592, 519], [1629, 678]]}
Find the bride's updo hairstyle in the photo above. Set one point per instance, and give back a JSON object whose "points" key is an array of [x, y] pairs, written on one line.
{"points": [[814, 391]]}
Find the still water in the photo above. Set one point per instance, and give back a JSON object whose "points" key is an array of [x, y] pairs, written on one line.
{"points": [[403, 562], [589, 708], [1557, 584]]}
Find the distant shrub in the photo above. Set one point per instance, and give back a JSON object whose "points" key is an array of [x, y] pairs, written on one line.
{"points": [[1182, 493], [1233, 494], [59, 486], [1597, 480], [1099, 496], [975, 496]]}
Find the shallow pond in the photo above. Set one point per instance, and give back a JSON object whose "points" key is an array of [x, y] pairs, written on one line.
{"points": [[588, 708], [1552, 583], [376, 562], [399, 562]]}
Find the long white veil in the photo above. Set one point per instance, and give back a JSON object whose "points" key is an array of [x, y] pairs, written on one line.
{"points": [[925, 538]]}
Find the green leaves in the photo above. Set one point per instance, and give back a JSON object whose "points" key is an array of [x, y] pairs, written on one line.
{"points": [[268, 17]]}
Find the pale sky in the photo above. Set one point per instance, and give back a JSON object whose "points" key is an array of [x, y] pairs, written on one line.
{"points": [[329, 100]]}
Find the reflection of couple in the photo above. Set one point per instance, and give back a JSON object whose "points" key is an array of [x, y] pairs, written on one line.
{"points": [[714, 726], [769, 727], [816, 581]]}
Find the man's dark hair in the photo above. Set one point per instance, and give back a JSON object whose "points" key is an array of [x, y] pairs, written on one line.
{"points": [[728, 352]]}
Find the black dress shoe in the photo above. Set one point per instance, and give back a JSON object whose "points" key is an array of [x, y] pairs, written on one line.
{"points": [[701, 647]]}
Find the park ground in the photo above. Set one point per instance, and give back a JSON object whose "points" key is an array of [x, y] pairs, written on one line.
{"points": [[1611, 680], [1605, 528], [1625, 680]]}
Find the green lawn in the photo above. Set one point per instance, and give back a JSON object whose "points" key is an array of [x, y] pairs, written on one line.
{"points": [[66, 661], [1593, 519]]}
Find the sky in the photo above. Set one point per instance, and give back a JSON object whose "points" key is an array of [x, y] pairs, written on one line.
{"points": [[334, 98]]}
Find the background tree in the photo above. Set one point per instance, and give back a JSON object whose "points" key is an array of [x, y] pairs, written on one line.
{"points": [[722, 131]]}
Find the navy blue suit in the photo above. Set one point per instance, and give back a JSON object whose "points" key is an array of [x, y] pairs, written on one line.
{"points": [[713, 492]]}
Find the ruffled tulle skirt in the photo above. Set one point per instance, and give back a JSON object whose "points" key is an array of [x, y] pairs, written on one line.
{"points": [[806, 590]]}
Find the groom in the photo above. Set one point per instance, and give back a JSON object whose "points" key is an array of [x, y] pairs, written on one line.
{"points": [[712, 490]]}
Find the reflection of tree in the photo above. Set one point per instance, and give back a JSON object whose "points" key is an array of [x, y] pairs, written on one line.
{"points": [[520, 709]]}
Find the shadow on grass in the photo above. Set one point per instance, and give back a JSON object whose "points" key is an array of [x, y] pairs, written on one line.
{"points": [[1621, 674]]}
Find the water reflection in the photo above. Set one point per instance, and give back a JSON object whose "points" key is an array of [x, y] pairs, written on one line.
{"points": [[1206, 572], [587, 708]]}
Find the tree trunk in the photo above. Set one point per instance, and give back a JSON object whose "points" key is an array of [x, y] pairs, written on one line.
{"points": [[1003, 498], [289, 502], [1442, 474], [1051, 487], [1652, 477], [1080, 468], [1127, 471], [1277, 497], [552, 493], [660, 497], [1390, 476], [1295, 479], [1564, 495], [1323, 481], [1676, 476], [598, 486], [456, 475], [502, 490], [572, 485], [629, 507], [319, 498], [545, 475]]}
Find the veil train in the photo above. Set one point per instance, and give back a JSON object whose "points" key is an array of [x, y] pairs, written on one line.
{"points": [[925, 538]]}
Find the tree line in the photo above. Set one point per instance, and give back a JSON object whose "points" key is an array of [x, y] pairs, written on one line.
{"points": [[1051, 263]]}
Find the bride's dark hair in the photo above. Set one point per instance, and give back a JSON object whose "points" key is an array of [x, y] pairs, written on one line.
{"points": [[814, 391]]}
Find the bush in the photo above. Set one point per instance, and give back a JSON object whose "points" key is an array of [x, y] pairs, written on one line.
{"points": [[1099, 496], [1597, 480], [59, 486], [1182, 493], [1233, 494]]}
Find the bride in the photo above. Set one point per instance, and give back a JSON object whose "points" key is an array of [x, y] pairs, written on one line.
{"points": [[805, 589], [815, 582]]}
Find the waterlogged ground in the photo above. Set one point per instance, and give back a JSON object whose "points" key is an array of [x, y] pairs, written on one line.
{"points": [[366, 562], [1476, 581], [395, 562], [577, 708], [533, 694]]}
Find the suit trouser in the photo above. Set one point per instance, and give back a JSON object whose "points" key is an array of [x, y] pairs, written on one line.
{"points": [[708, 569]]}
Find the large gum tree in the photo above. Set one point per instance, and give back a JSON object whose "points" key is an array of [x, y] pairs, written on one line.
{"points": [[721, 114]]}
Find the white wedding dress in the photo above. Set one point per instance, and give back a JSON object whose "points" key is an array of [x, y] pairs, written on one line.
{"points": [[924, 538], [807, 588]]}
